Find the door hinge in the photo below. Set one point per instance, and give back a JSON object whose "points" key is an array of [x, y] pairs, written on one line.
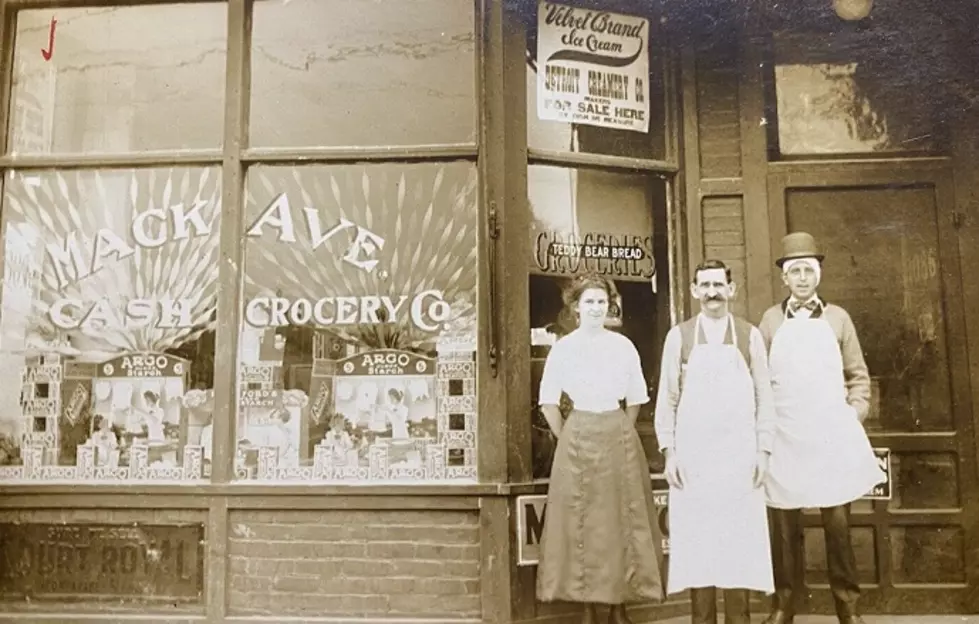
{"points": [[494, 221], [958, 219]]}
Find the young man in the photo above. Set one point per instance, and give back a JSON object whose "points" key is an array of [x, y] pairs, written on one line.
{"points": [[821, 456], [714, 421]]}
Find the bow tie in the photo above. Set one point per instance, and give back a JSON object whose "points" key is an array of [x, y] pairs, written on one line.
{"points": [[811, 305]]}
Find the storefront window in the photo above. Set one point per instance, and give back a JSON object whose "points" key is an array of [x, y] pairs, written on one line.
{"points": [[362, 72], [587, 220], [853, 95], [357, 348], [118, 79], [107, 324]]}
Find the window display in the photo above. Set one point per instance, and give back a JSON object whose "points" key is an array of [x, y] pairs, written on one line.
{"points": [[357, 349], [108, 304]]}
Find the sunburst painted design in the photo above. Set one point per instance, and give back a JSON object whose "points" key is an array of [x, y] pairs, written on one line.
{"points": [[426, 214], [58, 203]]}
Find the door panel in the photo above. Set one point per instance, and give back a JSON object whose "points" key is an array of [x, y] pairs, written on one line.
{"points": [[892, 263]]}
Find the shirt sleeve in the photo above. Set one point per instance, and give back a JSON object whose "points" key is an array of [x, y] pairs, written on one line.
{"points": [[855, 369], [668, 394], [637, 392], [764, 397], [551, 381]]}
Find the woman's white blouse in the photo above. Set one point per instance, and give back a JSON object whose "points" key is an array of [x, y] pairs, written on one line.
{"points": [[596, 371]]}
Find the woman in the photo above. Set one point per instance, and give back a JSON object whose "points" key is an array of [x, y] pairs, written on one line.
{"points": [[600, 543]]}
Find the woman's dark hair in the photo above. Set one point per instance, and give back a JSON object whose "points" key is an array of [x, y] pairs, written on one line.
{"points": [[585, 281], [709, 265], [151, 396]]}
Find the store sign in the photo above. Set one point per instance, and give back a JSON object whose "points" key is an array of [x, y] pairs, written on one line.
{"points": [[593, 67], [143, 365], [530, 524], [885, 490], [613, 255], [58, 562], [70, 313], [385, 362], [425, 310]]}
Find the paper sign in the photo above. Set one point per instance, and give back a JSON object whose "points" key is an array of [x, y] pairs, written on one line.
{"points": [[592, 67]]}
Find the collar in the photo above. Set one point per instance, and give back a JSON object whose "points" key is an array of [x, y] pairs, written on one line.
{"points": [[818, 312]]}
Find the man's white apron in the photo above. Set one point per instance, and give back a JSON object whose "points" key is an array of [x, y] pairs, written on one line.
{"points": [[718, 521], [821, 456]]}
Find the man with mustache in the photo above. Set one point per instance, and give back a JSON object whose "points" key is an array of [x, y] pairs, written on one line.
{"points": [[821, 456], [714, 421]]}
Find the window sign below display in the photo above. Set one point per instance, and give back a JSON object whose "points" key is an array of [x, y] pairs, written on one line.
{"points": [[131, 562]]}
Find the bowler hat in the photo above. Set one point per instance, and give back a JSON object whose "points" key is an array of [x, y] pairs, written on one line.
{"points": [[798, 245]]}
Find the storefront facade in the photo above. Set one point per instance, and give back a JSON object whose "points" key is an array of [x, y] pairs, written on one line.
{"points": [[270, 269]]}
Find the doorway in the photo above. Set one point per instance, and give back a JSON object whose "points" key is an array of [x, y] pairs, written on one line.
{"points": [[892, 261]]}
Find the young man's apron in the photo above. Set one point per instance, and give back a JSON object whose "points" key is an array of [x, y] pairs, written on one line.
{"points": [[821, 456], [718, 521]]}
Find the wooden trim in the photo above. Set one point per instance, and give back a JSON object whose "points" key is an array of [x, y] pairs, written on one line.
{"points": [[145, 159], [693, 208], [491, 424], [232, 251], [754, 171], [216, 561], [895, 166], [8, 30], [343, 155], [497, 545], [355, 502], [101, 501], [584, 160], [721, 187], [258, 619], [101, 618], [259, 490], [514, 266]]}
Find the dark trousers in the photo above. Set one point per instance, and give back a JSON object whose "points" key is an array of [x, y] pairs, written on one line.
{"points": [[790, 566], [703, 606]]}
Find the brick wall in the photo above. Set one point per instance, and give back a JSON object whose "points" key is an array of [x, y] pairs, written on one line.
{"points": [[356, 563]]}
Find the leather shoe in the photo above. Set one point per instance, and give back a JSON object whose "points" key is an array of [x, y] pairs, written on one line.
{"points": [[589, 615], [778, 616], [617, 615]]}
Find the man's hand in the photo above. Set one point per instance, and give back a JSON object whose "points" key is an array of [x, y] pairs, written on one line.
{"points": [[673, 472], [761, 469]]}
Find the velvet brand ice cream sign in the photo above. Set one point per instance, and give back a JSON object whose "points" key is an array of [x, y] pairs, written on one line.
{"points": [[76, 258], [593, 67]]}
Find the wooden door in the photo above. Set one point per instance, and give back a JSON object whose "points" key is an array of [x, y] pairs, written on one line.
{"points": [[892, 261]]}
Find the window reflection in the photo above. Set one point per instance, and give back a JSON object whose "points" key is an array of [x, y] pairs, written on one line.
{"points": [[357, 72], [109, 303], [119, 79], [357, 352]]}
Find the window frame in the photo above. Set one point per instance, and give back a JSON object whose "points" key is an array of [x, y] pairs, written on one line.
{"points": [[667, 169]]}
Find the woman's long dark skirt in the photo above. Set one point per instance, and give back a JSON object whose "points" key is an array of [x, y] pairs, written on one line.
{"points": [[601, 538]]}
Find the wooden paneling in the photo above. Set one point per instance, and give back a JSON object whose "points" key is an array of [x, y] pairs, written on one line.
{"points": [[718, 121], [723, 233]]}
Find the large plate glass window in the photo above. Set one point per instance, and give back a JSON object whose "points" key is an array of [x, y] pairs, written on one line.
{"points": [[363, 73], [118, 79], [109, 303], [357, 346]]}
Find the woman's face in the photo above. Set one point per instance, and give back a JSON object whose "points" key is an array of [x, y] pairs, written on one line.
{"points": [[592, 308]]}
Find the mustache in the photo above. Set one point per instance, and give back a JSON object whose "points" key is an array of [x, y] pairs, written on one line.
{"points": [[716, 298]]}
